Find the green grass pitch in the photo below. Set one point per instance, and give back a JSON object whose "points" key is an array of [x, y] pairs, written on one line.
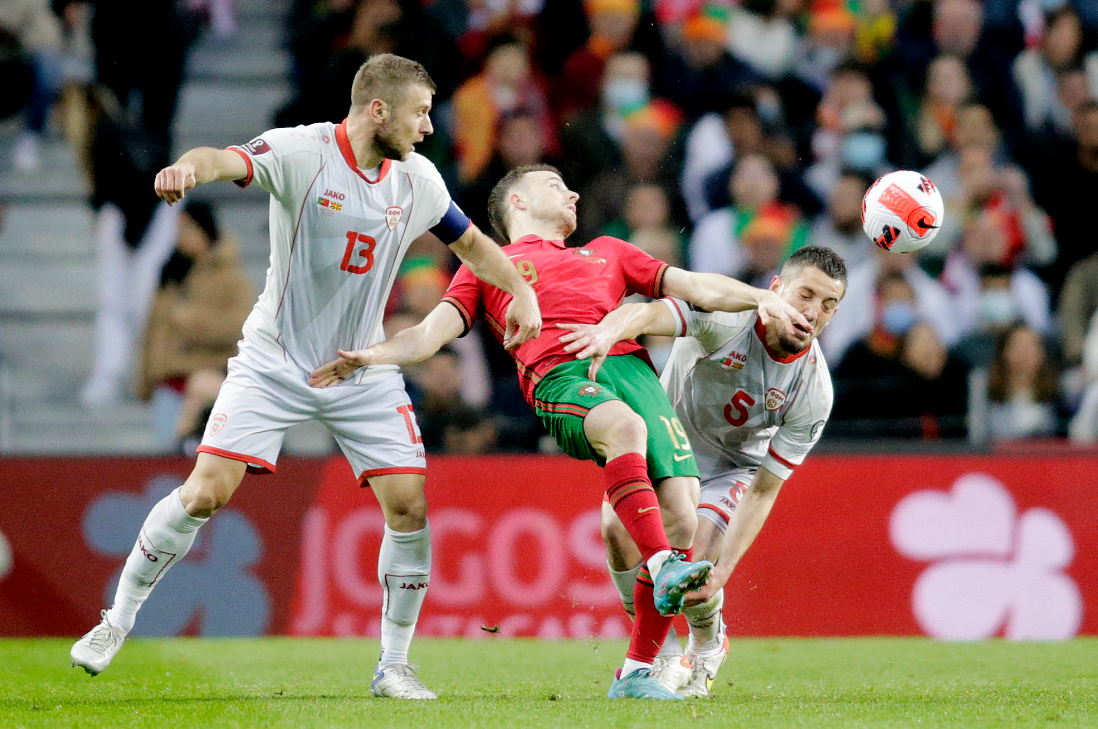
{"points": [[525, 684]]}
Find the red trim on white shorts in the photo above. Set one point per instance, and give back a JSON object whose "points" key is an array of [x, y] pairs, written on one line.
{"points": [[717, 511], [364, 477], [260, 466], [248, 161]]}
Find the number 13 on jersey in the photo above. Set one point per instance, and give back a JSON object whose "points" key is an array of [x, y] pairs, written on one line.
{"points": [[359, 246]]}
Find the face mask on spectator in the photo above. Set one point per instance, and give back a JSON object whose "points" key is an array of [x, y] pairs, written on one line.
{"points": [[625, 94], [898, 317], [996, 308], [863, 150]]}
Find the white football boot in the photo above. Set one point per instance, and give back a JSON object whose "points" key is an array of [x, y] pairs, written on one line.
{"points": [[95, 651], [671, 671], [703, 669], [399, 682]]}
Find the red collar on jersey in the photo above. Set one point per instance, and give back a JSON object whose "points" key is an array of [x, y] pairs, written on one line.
{"points": [[536, 238], [760, 330], [349, 155]]}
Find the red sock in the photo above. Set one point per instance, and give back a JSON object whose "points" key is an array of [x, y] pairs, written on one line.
{"points": [[649, 627], [630, 493]]}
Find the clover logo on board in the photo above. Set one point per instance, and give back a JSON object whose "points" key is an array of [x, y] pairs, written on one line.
{"points": [[993, 571]]}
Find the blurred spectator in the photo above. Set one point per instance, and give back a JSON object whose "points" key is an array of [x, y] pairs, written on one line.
{"points": [[856, 317], [710, 147], [647, 215], [1065, 184], [829, 43], [761, 34], [520, 140], [1023, 386], [590, 142], [986, 288], [30, 46], [612, 23], [840, 227], [1078, 304], [947, 88], [1083, 428], [1038, 70], [701, 75], [194, 324], [719, 243], [505, 85], [898, 379], [446, 421], [134, 237], [645, 149], [851, 131]]}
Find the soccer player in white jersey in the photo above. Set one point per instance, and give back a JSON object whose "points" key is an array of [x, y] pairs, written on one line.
{"points": [[754, 401], [346, 202]]}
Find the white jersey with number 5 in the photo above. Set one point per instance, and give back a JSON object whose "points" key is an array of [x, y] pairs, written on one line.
{"points": [[741, 404], [338, 235]]}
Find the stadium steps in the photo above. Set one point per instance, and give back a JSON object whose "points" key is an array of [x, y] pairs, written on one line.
{"points": [[47, 255]]}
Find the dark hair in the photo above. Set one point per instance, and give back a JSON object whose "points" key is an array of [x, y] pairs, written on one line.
{"points": [[497, 199], [202, 214], [825, 259], [385, 76], [1046, 387], [995, 270]]}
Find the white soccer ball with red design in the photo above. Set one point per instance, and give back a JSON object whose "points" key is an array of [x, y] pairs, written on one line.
{"points": [[902, 211]]}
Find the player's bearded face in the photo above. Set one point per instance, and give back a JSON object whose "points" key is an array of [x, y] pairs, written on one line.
{"points": [[388, 140]]}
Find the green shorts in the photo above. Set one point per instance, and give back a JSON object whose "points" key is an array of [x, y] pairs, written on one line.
{"points": [[565, 395]]}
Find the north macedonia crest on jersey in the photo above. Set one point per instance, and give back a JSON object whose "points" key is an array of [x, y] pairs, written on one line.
{"points": [[775, 398], [392, 216], [217, 422]]}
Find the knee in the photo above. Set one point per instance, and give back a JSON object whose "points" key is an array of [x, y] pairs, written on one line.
{"points": [[614, 534], [680, 525], [203, 494], [408, 514]]}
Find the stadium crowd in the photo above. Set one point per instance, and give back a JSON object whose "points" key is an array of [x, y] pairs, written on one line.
{"points": [[723, 136]]}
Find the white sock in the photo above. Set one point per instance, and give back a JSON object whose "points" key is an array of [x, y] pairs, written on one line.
{"points": [[706, 624], [404, 570], [164, 539], [625, 581], [655, 562], [631, 665]]}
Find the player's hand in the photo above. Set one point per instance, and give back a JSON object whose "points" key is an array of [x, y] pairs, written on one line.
{"points": [[590, 340], [172, 182], [338, 370], [523, 319], [774, 308], [706, 592]]}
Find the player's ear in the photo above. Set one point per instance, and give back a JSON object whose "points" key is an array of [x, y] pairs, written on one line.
{"points": [[517, 200], [378, 110], [776, 283]]}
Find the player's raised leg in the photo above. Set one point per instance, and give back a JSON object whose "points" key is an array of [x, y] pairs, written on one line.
{"points": [[404, 570], [165, 538]]}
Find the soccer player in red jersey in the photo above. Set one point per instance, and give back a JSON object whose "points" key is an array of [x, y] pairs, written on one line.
{"points": [[623, 420]]}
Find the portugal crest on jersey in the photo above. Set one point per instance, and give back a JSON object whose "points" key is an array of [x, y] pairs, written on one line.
{"points": [[775, 398], [392, 216], [589, 390]]}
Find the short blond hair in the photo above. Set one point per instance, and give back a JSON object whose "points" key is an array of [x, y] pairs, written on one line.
{"points": [[386, 77]]}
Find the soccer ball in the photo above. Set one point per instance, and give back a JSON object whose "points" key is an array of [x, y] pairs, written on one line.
{"points": [[902, 211]]}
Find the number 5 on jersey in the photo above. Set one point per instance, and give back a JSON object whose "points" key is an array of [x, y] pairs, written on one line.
{"points": [[359, 245], [735, 411]]}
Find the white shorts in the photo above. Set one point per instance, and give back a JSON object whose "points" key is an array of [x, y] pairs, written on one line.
{"points": [[722, 493], [372, 422]]}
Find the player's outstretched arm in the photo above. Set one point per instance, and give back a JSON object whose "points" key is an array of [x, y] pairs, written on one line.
{"points": [[743, 526], [714, 292], [626, 322], [444, 324], [489, 263], [198, 167]]}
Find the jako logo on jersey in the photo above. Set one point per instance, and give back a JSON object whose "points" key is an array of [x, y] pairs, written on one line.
{"points": [[734, 361], [392, 216], [217, 422], [334, 194], [775, 398], [414, 585], [256, 146]]}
